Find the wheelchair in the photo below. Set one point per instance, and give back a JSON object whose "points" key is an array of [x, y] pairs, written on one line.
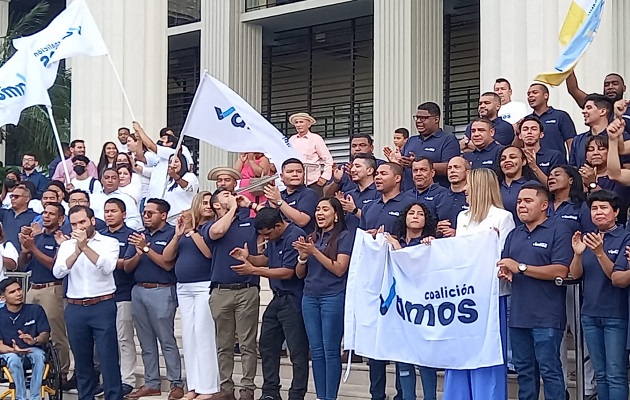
{"points": [[51, 382]]}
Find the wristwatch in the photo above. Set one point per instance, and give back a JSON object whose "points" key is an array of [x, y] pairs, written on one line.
{"points": [[36, 340], [592, 185], [522, 268], [355, 211], [145, 249], [279, 203]]}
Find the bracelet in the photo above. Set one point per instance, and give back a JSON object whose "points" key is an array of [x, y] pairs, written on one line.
{"points": [[300, 261]]}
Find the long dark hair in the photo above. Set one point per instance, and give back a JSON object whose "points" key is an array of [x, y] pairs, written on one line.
{"points": [[103, 162], [183, 171], [430, 222], [338, 227], [576, 190], [527, 171]]}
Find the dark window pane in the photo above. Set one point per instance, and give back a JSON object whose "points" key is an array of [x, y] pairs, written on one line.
{"points": [[182, 12]]}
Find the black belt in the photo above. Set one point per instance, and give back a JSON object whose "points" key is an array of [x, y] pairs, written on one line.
{"points": [[232, 286]]}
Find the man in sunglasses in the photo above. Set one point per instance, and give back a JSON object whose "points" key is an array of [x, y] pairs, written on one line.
{"points": [[18, 216]]}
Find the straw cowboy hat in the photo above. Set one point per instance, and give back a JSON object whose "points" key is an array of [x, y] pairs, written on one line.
{"points": [[301, 115], [214, 173]]}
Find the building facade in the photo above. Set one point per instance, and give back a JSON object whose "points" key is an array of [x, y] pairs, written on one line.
{"points": [[355, 65]]}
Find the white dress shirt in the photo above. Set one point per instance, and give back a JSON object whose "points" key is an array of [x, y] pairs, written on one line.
{"points": [[180, 198], [133, 219], [85, 279], [497, 218], [159, 162]]}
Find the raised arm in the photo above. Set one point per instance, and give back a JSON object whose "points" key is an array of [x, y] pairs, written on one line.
{"points": [[574, 90], [143, 136]]}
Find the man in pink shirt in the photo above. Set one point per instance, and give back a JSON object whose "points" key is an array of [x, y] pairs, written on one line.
{"points": [[313, 150], [77, 148]]}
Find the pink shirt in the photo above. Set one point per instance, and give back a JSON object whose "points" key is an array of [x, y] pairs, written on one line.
{"points": [[314, 151], [60, 176]]}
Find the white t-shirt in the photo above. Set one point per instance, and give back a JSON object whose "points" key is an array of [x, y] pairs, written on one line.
{"points": [[497, 218], [159, 162], [180, 198], [85, 185], [134, 188], [9, 251], [513, 112]]}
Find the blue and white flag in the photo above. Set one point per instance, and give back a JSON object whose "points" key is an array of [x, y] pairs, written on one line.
{"points": [[577, 33], [23, 84], [72, 33], [222, 118], [425, 305]]}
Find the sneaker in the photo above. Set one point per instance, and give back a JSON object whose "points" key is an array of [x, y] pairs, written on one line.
{"points": [[246, 394], [70, 384], [99, 391], [126, 389]]}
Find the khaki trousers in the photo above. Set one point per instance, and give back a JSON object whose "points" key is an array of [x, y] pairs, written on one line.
{"points": [[236, 312]]}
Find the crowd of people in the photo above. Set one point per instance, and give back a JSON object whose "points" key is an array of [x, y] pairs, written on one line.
{"points": [[115, 247]]}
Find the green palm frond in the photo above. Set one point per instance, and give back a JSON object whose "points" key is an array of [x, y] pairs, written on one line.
{"points": [[34, 132]]}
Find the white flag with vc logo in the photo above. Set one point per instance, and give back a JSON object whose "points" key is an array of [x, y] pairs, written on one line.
{"points": [[435, 306], [72, 33], [222, 118]]}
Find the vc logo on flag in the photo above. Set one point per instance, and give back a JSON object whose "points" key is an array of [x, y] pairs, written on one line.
{"points": [[236, 120]]}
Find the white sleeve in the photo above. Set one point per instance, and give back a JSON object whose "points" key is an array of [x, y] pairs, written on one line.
{"points": [[164, 152], [187, 155], [9, 251], [193, 182], [506, 225], [60, 269]]}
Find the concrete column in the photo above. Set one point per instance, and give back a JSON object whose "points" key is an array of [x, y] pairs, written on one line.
{"points": [[231, 51], [408, 63], [519, 40], [4, 25], [135, 34]]}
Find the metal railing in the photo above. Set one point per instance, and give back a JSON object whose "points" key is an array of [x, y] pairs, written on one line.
{"points": [[252, 5]]}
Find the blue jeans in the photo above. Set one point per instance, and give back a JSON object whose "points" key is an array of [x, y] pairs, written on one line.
{"points": [[407, 376], [323, 320], [536, 353], [16, 366], [606, 342]]}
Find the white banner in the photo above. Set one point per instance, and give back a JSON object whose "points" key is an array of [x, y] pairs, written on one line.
{"points": [[222, 118], [22, 85], [72, 33], [435, 306]]}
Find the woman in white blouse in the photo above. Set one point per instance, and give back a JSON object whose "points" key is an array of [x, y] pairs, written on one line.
{"points": [[181, 187], [485, 212]]}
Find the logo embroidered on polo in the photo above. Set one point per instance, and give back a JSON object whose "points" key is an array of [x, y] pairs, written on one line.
{"points": [[161, 243], [573, 217], [542, 245], [431, 149], [394, 213], [245, 224], [487, 162], [613, 251], [550, 121], [31, 322]]}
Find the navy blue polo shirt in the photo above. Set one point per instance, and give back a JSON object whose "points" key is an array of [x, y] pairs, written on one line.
{"points": [[440, 147], [622, 191], [602, 299], [537, 303], [361, 198], [413, 242], [503, 131], [31, 319], [377, 212], [191, 265], [451, 205], [509, 195], [319, 281], [485, 158], [345, 183], [281, 254], [574, 216], [12, 224], [241, 231], [66, 228], [558, 128], [305, 200], [431, 197], [124, 281], [577, 156], [39, 180], [547, 159], [47, 244], [147, 271]]}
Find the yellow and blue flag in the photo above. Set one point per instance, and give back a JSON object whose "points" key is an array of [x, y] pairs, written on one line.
{"points": [[577, 33]]}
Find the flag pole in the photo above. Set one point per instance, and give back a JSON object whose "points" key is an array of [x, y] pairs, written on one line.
{"points": [[121, 86], [58, 141]]}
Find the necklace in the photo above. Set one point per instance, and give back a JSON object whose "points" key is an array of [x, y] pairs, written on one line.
{"points": [[13, 319]]}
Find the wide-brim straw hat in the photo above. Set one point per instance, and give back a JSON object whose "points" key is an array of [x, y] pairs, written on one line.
{"points": [[214, 173], [302, 115]]}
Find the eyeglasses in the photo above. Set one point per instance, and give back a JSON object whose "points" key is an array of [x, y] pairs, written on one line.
{"points": [[29, 159], [150, 213], [79, 202], [16, 196], [423, 118]]}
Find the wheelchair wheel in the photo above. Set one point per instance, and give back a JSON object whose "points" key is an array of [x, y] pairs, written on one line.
{"points": [[53, 379]]}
